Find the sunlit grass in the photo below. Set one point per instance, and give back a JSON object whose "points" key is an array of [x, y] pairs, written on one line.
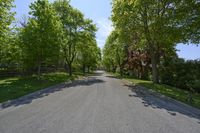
{"points": [[175, 93], [14, 87]]}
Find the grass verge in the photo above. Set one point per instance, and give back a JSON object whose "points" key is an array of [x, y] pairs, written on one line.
{"points": [[172, 92], [14, 87]]}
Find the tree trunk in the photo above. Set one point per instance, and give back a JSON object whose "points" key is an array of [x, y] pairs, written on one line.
{"points": [[88, 69], [121, 71], [141, 75], [39, 71], [154, 67], [66, 67], [108, 69], [83, 69], [113, 69], [70, 69], [151, 46]]}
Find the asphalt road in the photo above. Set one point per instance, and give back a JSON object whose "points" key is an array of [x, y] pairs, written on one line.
{"points": [[102, 104]]}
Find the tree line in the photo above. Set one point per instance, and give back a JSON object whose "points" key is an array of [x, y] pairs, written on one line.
{"points": [[54, 35], [145, 36]]}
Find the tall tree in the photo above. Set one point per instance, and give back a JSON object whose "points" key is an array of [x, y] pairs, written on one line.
{"points": [[6, 18], [89, 53], [41, 36], [74, 25], [158, 24], [115, 52]]}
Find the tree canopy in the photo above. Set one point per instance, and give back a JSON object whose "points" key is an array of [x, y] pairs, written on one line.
{"points": [[75, 27], [53, 36], [6, 18], [155, 27]]}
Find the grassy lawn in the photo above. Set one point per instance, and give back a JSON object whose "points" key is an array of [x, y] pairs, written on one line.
{"points": [[14, 87], [175, 93]]}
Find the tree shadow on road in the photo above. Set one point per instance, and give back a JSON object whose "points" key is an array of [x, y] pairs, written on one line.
{"points": [[86, 82], [115, 77], [157, 101], [46, 92]]}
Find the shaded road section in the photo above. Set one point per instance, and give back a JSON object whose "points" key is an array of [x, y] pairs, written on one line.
{"points": [[100, 104]]}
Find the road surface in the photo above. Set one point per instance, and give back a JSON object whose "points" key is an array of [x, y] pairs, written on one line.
{"points": [[102, 104]]}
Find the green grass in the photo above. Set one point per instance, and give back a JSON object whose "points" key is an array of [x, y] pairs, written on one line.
{"points": [[175, 93], [14, 87]]}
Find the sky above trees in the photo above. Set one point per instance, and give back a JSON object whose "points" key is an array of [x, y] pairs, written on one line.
{"points": [[100, 11]]}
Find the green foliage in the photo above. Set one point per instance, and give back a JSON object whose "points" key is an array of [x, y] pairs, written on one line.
{"points": [[89, 54], [11, 57], [6, 18], [114, 53], [52, 36], [76, 30], [182, 74], [156, 26], [41, 36]]}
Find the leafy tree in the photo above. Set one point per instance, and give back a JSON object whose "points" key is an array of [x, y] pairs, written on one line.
{"points": [[88, 54], [138, 62], [41, 36], [52, 32], [6, 18], [181, 73], [74, 25], [109, 57], [115, 52], [156, 26], [12, 52], [88, 51]]}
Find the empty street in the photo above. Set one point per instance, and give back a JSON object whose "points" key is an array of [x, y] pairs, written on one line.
{"points": [[100, 104]]}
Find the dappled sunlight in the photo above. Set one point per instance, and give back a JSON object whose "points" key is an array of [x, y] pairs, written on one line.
{"points": [[172, 92], [12, 88], [22, 87], [157, 101], [8, 80]]}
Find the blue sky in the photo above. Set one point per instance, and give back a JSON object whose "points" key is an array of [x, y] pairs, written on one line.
{"points": [[100, 11]]}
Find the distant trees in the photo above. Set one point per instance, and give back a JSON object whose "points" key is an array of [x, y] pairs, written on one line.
{"points": [[75, 26], [89, 54], [53, 35], [114, 53], [153, 28]]}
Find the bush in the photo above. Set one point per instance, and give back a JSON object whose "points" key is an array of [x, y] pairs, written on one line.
{"points": [[180, 73]]}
